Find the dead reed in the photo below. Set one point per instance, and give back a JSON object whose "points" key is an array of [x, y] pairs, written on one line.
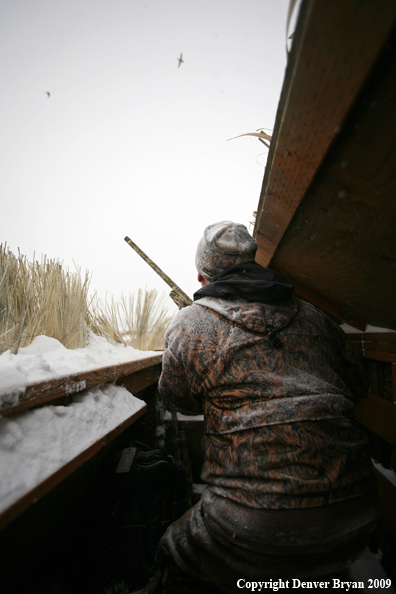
{"points": [[139, 320], [40, 298], [45, 298], [260, 134]]}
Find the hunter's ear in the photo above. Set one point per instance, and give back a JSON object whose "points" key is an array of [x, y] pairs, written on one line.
{"points": [[200, 278]]}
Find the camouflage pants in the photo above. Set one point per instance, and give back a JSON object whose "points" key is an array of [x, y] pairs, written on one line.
{"points": [[221, 541]]}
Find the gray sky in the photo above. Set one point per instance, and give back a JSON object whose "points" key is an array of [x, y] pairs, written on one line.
{"points": [[128, 143]]}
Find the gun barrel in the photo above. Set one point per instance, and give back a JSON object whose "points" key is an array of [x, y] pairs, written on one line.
{"points": [[177, 294]]}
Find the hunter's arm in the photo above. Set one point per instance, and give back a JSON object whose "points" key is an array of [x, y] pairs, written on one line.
{"points": [[174, 384]]}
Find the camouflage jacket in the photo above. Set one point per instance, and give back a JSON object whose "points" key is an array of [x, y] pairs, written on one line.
{"points": [[279, 416]]}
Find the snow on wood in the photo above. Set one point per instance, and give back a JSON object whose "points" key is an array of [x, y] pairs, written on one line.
{"points": [[39, 447]]}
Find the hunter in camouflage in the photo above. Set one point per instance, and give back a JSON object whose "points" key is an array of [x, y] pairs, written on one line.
{"points": [[284, 461]]}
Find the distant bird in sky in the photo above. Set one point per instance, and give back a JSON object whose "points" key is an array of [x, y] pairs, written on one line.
{"points": [[180, 60], [48, 94]]}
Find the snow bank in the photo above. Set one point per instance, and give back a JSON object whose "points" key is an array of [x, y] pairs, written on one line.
{"points": [[46, 358], [36, 443]]}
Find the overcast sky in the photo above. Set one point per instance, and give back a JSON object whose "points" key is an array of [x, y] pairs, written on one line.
{"points": [[128, 143]]}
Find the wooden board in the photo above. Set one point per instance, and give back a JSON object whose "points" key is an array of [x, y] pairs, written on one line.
{"points": [[333, 52], [134, 376], [51, 390], [378, 336], [327, 211], [378, 415], [394, 381], [14, 510], [380, 346], [378, 356], [330, 308], [138, 380], [387, 493]]}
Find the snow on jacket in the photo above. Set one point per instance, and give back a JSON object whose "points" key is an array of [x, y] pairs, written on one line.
{"points": [[279, 416]]}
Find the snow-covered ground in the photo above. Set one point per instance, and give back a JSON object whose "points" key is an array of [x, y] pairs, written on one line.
{"points": [[36, 443]]}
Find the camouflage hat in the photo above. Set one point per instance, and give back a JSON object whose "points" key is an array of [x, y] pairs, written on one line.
{"points": [[222, 246]]}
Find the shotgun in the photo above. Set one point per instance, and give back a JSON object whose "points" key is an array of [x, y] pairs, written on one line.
{"points": [[180, 443], [178, 296]]}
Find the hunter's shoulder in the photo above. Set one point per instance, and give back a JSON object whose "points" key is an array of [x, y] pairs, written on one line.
{"points": [[192, 320]]}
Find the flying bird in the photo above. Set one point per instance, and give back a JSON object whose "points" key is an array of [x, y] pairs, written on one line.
{"points": [[180, 60], [48, 94]]}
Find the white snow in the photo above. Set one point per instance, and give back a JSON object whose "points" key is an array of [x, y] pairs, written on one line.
{"points": [[351, 330], [46, 358], [182, 417], [36, 443], [386, 472], [367, 569]]}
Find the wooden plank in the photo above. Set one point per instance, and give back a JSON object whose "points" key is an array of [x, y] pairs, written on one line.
{"points": [[57, 477], [380, 356], [358, 350], [387, 493], [381, 347], [345, 247], [51, 390], [340, 242], [134, 376], [333, 52], [376, 378], [327, 306], [141, 379], [356, 337], [394, 381], [378, 415], [379, 336]]}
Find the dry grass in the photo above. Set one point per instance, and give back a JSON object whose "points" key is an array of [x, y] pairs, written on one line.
{"points": [[260, 134], [139, 320], [40, 298], [44, 298]]}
